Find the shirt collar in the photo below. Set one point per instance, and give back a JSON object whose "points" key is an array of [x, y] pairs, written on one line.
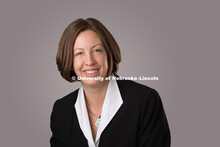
{"points": [[112, 103]]}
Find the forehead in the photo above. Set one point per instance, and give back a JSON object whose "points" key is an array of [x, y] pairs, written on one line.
{"points": [[87, 39]]}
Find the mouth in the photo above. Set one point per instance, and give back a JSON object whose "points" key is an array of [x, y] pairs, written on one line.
{"points": [[91, 72]]}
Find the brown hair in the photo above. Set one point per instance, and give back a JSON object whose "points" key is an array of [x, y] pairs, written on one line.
{"points": [[64, 58]]}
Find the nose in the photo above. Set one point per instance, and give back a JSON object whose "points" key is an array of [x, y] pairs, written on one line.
{"points": [[90, 60]]}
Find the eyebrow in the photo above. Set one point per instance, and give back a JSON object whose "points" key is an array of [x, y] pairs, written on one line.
{"points": [[91, 48], [97, 45]]}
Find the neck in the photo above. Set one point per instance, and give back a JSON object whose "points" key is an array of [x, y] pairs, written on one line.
{"points": [[95, 96]]}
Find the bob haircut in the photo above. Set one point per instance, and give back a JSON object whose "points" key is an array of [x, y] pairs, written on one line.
{"points": [[64, 58]]}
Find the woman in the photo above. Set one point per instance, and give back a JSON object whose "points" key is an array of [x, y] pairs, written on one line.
{"points": [[103, 112]]}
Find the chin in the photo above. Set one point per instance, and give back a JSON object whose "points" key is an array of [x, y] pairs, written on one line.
{"points": [[92, 83]]}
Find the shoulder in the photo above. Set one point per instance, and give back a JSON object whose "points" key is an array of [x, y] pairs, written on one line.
{"points": [[129, 86], [137, 93], [130, 83], [66, 101]]}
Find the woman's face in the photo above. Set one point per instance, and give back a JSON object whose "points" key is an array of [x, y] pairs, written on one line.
{"points": [[90, 59]]}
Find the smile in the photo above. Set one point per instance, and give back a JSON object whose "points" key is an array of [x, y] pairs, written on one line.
{"points": [[91, 71]]}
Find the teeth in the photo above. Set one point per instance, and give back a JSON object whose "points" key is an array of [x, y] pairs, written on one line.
{"points": [[91, 71]]}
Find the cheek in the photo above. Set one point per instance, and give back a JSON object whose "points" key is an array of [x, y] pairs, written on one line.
{"points": [[76, 65], [105, 64]]}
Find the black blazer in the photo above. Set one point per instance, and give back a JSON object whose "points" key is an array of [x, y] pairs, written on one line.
{"points": [[140, 121]]}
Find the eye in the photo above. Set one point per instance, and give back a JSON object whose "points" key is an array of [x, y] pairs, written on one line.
{"points": [[79, 53], [97, 50]]}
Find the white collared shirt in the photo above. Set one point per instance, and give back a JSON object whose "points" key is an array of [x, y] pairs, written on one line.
{"points": [[112, 103]]}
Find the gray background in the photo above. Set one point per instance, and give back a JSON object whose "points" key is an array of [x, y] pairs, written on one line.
{"points": [[176, 40]]}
